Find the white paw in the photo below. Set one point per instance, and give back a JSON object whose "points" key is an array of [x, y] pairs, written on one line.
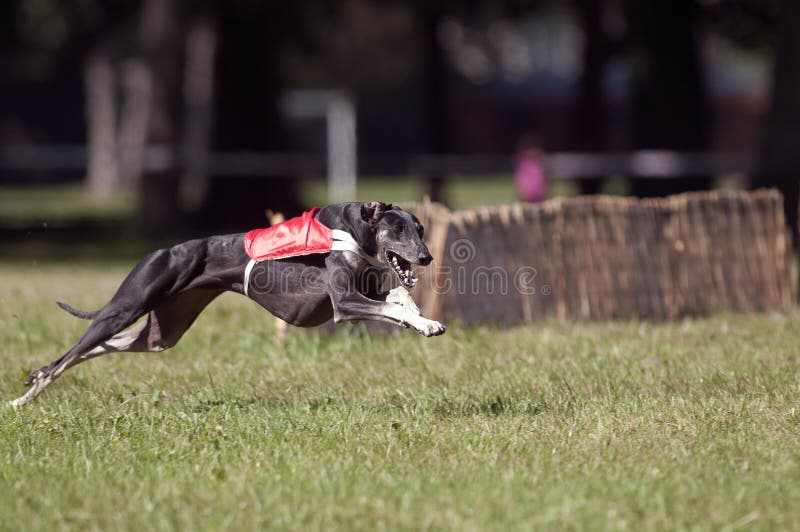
{"points": [[401, 296], [431, 328]]}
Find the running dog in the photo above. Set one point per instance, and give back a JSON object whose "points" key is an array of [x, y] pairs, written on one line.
{"points": [[325, 267]]}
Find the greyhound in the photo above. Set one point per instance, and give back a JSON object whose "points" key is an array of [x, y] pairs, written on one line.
{"points": [[172, 286]]}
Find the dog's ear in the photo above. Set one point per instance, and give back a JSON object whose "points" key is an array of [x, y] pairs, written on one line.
{"points": [[373, 211]]}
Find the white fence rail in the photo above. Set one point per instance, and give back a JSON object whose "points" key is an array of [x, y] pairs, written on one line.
{"points": [[657, 164]]}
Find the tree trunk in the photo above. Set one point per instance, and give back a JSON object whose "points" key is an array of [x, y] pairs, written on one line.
{"points": [[103, 177], [198, 92], [134, 121], [779, 164], [436, 100], [248, 118], [159, 210], [669, 100], [589, 122]]}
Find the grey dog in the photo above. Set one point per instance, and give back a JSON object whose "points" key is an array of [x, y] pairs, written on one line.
{"points": [[172, 286]]}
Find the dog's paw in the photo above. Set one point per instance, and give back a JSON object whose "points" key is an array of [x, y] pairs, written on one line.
{"points": [[35, 375], [431, 328]]}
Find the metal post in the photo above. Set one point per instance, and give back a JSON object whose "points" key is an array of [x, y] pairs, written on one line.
{"points": [[338, 110], [342, 150]]}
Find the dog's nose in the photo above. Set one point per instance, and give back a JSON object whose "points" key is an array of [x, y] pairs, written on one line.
{"points": [[425, 258]]}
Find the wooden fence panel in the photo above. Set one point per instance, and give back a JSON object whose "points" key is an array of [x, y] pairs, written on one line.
{"points": [[599, 258]]}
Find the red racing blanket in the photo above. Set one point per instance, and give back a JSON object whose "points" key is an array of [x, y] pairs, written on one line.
{"points": [[302, 235]]}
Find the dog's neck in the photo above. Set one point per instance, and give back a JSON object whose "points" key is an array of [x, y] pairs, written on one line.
{"points": [[344, 241], [347, 217]]}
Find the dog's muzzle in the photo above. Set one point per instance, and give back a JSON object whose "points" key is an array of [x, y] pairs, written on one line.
{"points": [[402, 268]]}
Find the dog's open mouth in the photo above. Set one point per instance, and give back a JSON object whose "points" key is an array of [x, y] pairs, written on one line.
{"points": [[402, 268]]}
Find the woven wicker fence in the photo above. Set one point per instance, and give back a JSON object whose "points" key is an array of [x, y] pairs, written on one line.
{"points": [[599, 258]]}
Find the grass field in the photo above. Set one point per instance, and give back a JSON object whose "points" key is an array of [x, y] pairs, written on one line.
{"points": [[689, 425], [25, 205], [39, 209]]}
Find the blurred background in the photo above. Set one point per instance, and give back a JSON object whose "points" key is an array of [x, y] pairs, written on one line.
{"points": [[132, 121]]}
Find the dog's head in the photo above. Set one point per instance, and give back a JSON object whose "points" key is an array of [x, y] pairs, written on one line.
{"points": [[396, 239]]}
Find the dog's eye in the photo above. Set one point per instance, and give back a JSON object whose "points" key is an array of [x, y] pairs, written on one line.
{"points": [[399, 228], [420, 230]]}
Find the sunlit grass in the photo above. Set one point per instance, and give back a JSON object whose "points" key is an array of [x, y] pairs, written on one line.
{"points": [[460, 192], [61, 203], [632, 425]]}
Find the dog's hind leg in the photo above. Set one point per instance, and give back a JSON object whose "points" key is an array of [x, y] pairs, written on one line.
{"points": [[109, 326], [162, 329], [171, 285]]}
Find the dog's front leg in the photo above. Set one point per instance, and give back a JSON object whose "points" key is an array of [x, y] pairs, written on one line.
{"points": [[402, 297], [359, 307], [398, 308], [345, 286]]}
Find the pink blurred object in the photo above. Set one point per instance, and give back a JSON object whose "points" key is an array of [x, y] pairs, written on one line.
{"points": [[529, 175]]}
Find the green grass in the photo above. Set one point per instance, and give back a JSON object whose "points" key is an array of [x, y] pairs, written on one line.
{"points": [[688, 425], [460, 192], [62, 203], [39, 209], [65, 203]]}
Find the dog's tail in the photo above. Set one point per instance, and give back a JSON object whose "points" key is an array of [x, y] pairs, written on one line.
{"points": [[78, 313]]}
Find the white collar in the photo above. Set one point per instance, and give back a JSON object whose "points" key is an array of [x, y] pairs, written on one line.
{"points": [[344, 241]]}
